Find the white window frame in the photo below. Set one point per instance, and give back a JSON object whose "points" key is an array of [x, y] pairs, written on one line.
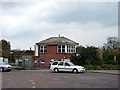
{"points": [[61, 48], [43, 48], [68, 49]]}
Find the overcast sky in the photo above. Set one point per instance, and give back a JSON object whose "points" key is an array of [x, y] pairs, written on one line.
{"points": [[88, 23]]}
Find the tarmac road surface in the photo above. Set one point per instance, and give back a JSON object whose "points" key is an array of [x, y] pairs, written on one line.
{"points": [[48, 79]]}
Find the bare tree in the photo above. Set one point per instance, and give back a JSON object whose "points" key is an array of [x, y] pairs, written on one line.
{"points": [[112, 43]]}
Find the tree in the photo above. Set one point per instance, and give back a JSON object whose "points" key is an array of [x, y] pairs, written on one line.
{"points": [[5, 48], [112, 43], [88, 56], [111, 57]]}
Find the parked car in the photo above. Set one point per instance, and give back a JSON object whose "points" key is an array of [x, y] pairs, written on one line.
{"points": [[5, 67], [58, 66]]}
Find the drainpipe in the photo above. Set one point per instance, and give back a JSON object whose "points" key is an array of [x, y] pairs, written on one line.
{"points": [[38, 59]]}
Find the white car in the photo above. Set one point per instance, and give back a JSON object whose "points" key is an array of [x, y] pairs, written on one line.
{"points": [[5, 67], [57, 66]]}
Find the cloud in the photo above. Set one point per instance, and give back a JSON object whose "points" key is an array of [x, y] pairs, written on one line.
{"points": [[25, 24]]}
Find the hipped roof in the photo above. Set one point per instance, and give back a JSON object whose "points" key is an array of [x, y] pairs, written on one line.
{"points": [[57, 40]]}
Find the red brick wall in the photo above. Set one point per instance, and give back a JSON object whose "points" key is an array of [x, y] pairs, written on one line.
{"points": [[100, 53], [115, 50], [51, 54], [33, 61]]}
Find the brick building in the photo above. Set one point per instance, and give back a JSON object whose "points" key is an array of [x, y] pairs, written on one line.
{"points": [[54, 48]]}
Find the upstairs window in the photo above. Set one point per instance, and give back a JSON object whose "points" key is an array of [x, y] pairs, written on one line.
{"points": [[66, 49], [61, 49], [43, 49], [70, 49]]}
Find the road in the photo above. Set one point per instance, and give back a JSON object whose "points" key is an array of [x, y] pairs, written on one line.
{"points": [[48, 79]]}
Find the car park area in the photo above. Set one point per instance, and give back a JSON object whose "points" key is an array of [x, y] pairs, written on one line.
{"points": [[47, 79]]}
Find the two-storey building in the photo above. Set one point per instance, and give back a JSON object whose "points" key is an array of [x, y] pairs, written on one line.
{"points": [[54, 48]]}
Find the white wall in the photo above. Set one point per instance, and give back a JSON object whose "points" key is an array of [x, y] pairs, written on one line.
{"points": [[36, 50]]}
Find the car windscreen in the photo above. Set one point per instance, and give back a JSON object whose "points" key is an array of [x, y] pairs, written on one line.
{"points": [[70, 63]]}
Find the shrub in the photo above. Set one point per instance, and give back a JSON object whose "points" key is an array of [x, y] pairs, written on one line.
{"points": [[110, 67], [96, 67], [102, 67]]}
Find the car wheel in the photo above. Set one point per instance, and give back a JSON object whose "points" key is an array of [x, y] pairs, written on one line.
{"points": [[9, 70], [56, 70], [75, 71], [2, 69]]}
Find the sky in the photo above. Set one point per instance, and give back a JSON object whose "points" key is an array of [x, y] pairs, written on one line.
{"points": [[87, 23]]}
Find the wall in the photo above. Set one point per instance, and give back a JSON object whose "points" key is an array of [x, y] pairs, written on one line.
{"points": [[52, 54]]}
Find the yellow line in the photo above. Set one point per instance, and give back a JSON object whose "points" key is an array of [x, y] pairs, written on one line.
{"points": [[31, 80], [33, 83], [33, 87]]}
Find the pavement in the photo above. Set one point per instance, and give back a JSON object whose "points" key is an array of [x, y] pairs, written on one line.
{"points": [[116, 72]]}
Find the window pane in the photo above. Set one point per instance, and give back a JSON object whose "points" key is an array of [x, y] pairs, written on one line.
{"points": [[63, 48], [41, 50], [45, 47], [45, 51], [42, 61], [55, 63], [66, 64], [41, 47], [61, 64], [59, 48]]}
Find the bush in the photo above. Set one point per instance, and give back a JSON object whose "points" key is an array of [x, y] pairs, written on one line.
{"points": [[102, 67], [87, 67], [19, 68], [110, 67], [96, 67], [92, 67]]}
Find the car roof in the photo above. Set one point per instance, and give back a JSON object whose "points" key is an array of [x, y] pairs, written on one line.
{"points": [[61, 61]]}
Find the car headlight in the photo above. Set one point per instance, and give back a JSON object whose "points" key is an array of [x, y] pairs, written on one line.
{"points": [[81, 68]]}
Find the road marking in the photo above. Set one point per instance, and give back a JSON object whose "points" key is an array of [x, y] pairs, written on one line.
{"points": [[65, 76], [33, 83], [33, 87], [31, 80]]}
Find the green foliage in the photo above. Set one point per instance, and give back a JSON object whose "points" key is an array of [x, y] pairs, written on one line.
{"points": [[6, 55], [5, 45], [76, 60], [92, 67], [102, 67], [87, 56], [110, 67], [108, 56], [19, 68]]}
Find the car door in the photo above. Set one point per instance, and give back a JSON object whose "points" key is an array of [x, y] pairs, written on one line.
{"points": [[67, 67], [61, 66]]}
